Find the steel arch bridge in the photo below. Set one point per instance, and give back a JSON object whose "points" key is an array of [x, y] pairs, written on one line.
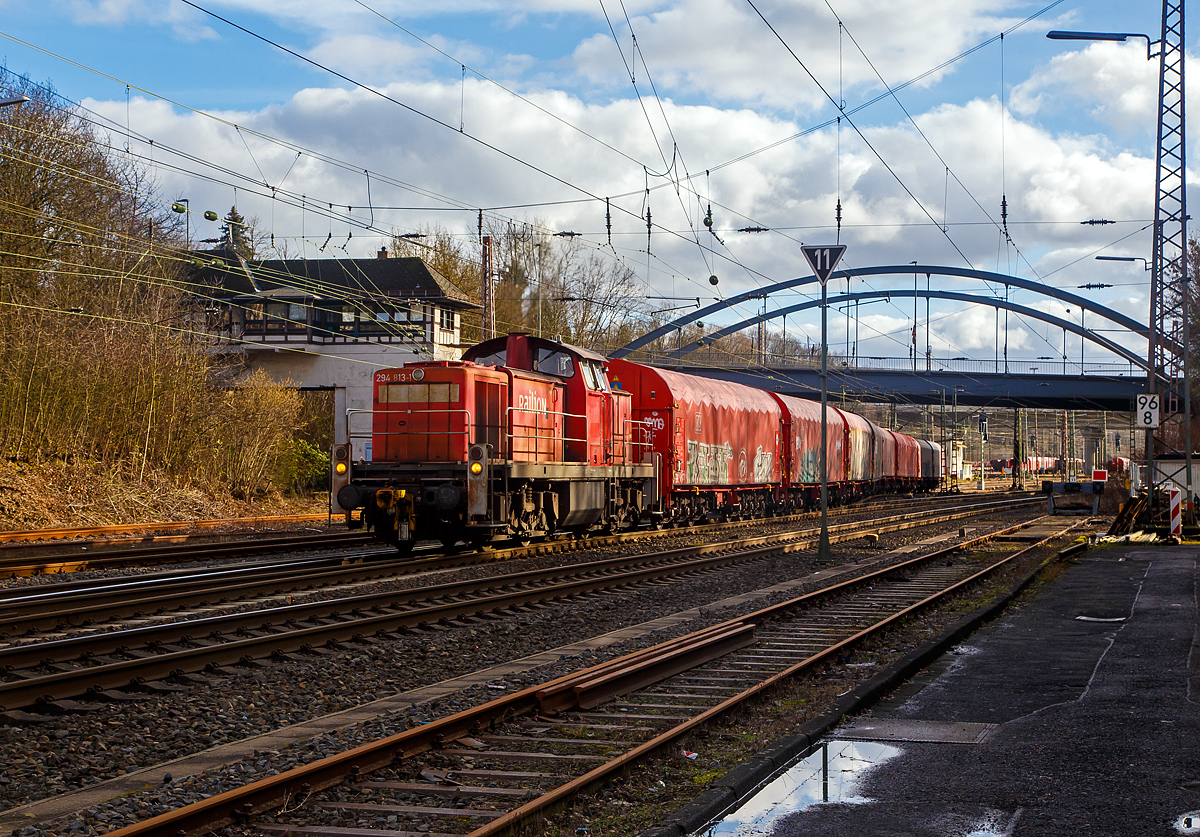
{"points": [[1132, 325]]}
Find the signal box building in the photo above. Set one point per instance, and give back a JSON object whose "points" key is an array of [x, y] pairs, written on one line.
{"points": [[329, 323]]}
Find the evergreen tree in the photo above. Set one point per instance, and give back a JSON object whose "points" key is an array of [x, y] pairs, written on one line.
{"points": [[237, 235]]}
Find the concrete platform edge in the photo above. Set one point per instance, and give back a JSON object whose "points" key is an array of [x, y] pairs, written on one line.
{"points": [[743, 780]]}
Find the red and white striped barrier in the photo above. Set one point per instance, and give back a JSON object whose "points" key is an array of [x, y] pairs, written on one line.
{"points": [[1176, 512]]}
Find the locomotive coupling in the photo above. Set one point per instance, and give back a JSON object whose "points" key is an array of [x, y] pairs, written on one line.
{"points": [[391, 514]]}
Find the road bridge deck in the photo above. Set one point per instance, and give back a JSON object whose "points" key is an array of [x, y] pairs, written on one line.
{"points": [[981, 389]]}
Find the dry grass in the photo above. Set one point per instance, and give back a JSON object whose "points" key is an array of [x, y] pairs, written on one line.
{"points": [[61, 493]]}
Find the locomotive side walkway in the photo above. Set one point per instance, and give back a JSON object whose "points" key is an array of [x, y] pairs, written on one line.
{"points": [[1076, 714]]}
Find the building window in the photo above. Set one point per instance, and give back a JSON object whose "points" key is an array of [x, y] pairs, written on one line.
{"points": [[446, 319]]}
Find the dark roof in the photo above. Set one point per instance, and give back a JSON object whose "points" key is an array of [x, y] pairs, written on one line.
{"points": [[400, 278]]}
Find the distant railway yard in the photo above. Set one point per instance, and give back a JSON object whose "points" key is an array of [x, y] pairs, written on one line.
{"points": [[486, 691]]}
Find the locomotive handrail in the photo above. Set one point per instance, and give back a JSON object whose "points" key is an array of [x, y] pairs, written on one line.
{"points": [[564, 438], [647, 430], [350, 434]]}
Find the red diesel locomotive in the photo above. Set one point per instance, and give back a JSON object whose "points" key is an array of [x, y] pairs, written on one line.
{"points": [[526, 436]]}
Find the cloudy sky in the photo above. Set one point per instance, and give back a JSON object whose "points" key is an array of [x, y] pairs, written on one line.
{"points": [[422, 113]]}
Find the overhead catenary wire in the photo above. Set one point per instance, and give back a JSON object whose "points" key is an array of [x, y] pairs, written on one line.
{"points": [[298, 154], [326, 158]]}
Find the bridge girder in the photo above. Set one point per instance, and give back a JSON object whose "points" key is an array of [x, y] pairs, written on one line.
{"points": [[1084, 304], [1033, 313]]}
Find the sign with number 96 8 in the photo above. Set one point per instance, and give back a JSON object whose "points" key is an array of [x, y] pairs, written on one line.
{"points": [[1147, 411]]}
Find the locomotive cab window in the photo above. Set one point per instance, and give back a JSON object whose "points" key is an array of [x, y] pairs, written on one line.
{"points": [[494, 359], [554, 362], [601, 378], [593, 373], [589, 375]]}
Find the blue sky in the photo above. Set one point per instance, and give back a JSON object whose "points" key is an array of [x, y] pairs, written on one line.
{"points": [[1077, 142]]}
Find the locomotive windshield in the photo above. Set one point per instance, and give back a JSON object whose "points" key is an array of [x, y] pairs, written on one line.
{"points": [[494, 359], [554, 362]]}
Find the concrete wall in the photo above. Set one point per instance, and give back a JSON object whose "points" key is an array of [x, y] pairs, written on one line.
{"points": [[347, 368]]}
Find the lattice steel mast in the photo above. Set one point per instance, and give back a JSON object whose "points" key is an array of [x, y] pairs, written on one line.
{"points": [[1170, 277]]}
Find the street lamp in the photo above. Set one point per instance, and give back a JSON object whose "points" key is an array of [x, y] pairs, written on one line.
{"points": [[1145, 264], [13, 100], [1122, 37]]}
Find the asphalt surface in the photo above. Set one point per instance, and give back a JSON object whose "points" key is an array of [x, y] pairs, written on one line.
{"points": [[1042, 723]]}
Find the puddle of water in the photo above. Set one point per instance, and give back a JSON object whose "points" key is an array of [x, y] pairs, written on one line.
{"points": [[1189, 823], [830, 773]]}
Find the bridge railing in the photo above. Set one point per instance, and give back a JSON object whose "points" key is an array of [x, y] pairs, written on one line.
{"points": [[839, 362]]}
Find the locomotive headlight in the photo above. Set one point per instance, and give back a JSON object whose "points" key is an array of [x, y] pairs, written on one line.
{"points": [[340, 468], [476, 467]]}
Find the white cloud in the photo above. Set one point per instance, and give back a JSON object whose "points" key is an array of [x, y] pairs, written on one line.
{"points": [[1115, 81], [372, 59], [187, 24], [722, 50]]}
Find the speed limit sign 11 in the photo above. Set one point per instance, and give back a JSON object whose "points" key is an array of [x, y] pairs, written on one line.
{"points": [[1147, 411]]}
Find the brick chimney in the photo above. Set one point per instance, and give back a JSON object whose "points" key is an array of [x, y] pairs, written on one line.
{"points": [[383, 253]]}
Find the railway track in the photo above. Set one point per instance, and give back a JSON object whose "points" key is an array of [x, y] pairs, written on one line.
{"points": [[144, 658], [92, 602], [494, 768], [52, 552], [16, 562]]}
